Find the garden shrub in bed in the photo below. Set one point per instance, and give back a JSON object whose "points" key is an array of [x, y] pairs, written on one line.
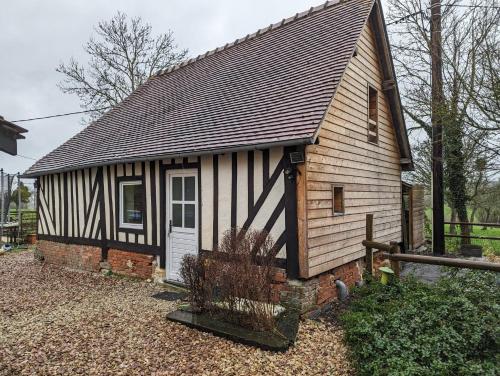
{"points": [[412, 328], [234, 282]]}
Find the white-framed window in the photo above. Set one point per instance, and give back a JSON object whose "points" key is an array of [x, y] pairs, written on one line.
{"points": [[131, 204]]}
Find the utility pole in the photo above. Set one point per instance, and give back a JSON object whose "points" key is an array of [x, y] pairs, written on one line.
{"points": [[438, 247]]}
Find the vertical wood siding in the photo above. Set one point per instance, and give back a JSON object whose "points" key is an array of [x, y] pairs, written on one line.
{"points": [[370, 173], [417, 216]]}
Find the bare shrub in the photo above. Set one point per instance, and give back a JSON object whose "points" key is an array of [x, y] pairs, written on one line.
{"points": [[192, 273], [235, 280], [243, 269]]}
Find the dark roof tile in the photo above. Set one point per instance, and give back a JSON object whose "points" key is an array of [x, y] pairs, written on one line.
{"points": [[271, 87]]}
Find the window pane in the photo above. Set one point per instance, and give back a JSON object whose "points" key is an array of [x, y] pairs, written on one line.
{"points": [[189, 188], [338, 200], [372, 104], [132, 203], [177, 215], [177, 188], [189, 215]]}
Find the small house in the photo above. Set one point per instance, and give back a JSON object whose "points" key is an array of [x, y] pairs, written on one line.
{"points": [[296, 129]]}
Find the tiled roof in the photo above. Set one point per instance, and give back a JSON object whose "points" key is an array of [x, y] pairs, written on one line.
{"points": [[271, 87]]}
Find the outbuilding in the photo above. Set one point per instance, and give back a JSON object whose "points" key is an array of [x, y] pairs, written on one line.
{"points": [[296, 129]]}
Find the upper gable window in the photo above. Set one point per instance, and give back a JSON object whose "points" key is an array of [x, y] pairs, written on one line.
{"points": [[372, 114]]}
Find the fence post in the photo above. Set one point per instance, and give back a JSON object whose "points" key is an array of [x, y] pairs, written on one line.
{"points": [[19, 215], [369, 236], [395, 264], [2, 205]]}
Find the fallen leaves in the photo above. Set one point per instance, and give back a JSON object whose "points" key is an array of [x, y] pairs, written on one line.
{"points": [[55, 321]]}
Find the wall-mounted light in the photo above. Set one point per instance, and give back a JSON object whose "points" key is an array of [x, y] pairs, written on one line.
{"points": [[296, 157]]}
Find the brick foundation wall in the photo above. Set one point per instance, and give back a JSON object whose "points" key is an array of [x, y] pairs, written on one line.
{"points": [[316, 291], [131, 264], [84, 257]]}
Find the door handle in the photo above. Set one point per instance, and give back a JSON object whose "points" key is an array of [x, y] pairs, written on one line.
{"points": [[169, 227]]}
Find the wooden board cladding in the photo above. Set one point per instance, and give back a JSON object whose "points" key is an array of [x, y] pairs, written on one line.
{"points": [[369, 172], [417, 210], [245, 190]]}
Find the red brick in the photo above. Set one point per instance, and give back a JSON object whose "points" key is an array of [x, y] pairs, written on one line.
{"points": [[75, 256], [280, 276], [131, 264]]}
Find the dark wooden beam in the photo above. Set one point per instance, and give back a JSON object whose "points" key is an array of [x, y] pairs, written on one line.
{"points": [[388, 85]]}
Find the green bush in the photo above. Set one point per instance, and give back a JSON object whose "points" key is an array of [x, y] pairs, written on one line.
{"points": [[411, 328]]}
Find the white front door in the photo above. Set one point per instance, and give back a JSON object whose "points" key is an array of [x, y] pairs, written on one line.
{"points": [[182, 219]]}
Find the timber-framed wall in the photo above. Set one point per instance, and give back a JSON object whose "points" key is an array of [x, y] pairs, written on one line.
{"points": [[247, 189]]}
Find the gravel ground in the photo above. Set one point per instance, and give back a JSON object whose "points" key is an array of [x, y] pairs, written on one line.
{"points": [[57, 321]]}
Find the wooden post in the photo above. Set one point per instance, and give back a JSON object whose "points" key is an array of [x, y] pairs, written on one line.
{"points": [[2, 204], [18, 208], [369, 237], [395, 264], [437, 130]]}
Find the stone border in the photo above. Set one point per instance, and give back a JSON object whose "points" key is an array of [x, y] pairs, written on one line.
{"points": [[278, 342]]}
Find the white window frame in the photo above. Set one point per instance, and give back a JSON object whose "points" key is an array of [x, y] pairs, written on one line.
{"points": [[135, 226]]}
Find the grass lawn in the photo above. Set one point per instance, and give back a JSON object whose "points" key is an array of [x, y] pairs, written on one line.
{"points": [[490, 247], [56, 321]]}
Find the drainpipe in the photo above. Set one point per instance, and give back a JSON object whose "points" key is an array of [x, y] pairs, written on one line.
{"points": [[342, 289]]}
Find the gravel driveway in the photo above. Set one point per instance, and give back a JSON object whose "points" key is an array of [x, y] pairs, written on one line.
{"points": [[57, 321]]}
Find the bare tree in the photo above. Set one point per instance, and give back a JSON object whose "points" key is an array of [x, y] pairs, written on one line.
{"points": [[122, 56], [469, 35]]}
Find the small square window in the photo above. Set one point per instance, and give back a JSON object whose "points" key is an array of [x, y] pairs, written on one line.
{"points": [[372, 114], [131, 204], [338, 200]]}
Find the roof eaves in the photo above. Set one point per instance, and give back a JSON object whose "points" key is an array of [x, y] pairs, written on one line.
{"points": [[12, 127], [298, 141], [393, 93]]}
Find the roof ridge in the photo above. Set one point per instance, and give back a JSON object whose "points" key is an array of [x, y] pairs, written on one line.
{"points": [[259, 32]]}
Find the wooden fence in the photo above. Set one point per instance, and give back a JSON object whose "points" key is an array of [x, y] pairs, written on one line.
{"points": [[392, 252], [486, 241], [20, 225]]}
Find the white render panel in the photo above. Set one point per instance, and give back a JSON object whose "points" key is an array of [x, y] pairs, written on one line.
{"points": [[224, 212], [257, 175], [207, 197], [242, 189]]}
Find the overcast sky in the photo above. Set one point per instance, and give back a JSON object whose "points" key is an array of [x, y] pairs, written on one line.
{"points": [[35, 35]]}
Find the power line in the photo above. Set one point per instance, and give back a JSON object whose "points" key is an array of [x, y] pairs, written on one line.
{"points": [[405, 18], [389, 24], [25, 156], [60, 115], [473, 6], [421, 12]]}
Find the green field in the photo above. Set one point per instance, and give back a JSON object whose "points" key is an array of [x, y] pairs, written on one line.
{"points": [[453, 244]]}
